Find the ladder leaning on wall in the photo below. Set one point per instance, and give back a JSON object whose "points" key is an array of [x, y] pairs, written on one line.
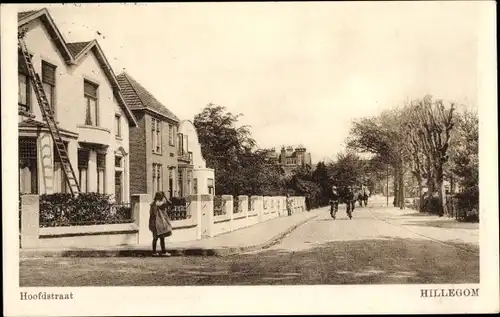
{"points": [[48, 116]]}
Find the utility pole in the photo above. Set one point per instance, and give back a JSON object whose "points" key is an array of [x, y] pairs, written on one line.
{"points": [[387, 187]]}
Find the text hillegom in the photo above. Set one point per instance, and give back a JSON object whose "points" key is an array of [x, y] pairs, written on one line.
{"points": [[46, 296], [449, 292]]}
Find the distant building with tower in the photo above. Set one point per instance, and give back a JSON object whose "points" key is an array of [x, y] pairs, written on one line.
{"points": [[290, 158]]}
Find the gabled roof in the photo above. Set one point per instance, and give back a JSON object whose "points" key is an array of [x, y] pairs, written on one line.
{"points": [[26, 17], [77, 47], [139, 98], [74, 53]]}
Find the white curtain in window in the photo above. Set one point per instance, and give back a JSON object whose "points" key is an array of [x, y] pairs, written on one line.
{"points": [[158, 137], [25, 180], [83, 180], [93, 111], [57, 178], [100, 180], [22, 89], [153, 135], [48, 92]]}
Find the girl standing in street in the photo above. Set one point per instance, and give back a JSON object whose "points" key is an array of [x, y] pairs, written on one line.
{"points": [[159, 222]]}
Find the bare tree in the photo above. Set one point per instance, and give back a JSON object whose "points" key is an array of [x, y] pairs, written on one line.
{"points": [[429, 134]]}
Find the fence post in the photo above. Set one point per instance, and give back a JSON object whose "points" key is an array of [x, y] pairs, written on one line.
{"points": [[206, 212], [274, 206], [30, 221], [266, 208], [283, 205], [229, 207], [194, 209], [141, 204], [258, 207], [243, 201]]}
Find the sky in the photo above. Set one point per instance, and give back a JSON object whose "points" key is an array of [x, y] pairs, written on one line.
{"points": [[298, 72]]}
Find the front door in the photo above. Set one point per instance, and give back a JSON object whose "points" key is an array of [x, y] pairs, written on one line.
{"points": [[118, 186]]}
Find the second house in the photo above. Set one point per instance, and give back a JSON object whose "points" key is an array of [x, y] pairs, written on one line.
{"points": [[159, 160]]}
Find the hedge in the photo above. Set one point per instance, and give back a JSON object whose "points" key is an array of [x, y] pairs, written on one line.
{"points": [[62, 209]]}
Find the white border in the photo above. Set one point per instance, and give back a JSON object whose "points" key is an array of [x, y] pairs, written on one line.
{"points": [[348, 299]]}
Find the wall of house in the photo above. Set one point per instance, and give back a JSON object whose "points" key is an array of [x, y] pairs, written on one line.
{"points": [[200, 171], [186, 127], [167, 158], [70, 108], [137, 171], [202, 175]]}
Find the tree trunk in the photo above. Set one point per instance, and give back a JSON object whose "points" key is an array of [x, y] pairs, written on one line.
{"points": [[441, 192], [396, 189], [402, 192], [420, 195], [401, 186]]}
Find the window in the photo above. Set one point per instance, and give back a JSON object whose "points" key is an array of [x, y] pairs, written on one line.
{"points": [[195, 186], [28, 182], [171, 182], [189, 182], [118, 127], [49, 83], [118, 186], [91, 107], [101, 172], [156, 135], [157, 178], [60, 184], [180, 147], [119, 178], [118, 161], [210, 186], [180, 187], [24, 95], [171, 134], [83, 167], [185, 145]]}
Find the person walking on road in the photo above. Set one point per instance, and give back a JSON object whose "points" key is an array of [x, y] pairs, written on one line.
{"points": [[159, 222], [334, 202], [350, 201], [289, 204]]}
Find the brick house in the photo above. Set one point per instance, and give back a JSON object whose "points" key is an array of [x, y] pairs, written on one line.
{"points": [[92, 115], [155, 147]]}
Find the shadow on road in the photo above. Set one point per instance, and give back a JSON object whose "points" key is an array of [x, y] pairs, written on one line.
{"points": [[381, 261], [445, 223]]}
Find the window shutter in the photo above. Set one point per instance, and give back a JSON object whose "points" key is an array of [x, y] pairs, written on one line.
{"points": [[48, 74], [101, 160], [90, 89], [83, 158], [21, 65]]}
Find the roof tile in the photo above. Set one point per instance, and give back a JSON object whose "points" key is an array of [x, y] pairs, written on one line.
{"points": [[76, 47], [24, 14], [136, 97]]}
